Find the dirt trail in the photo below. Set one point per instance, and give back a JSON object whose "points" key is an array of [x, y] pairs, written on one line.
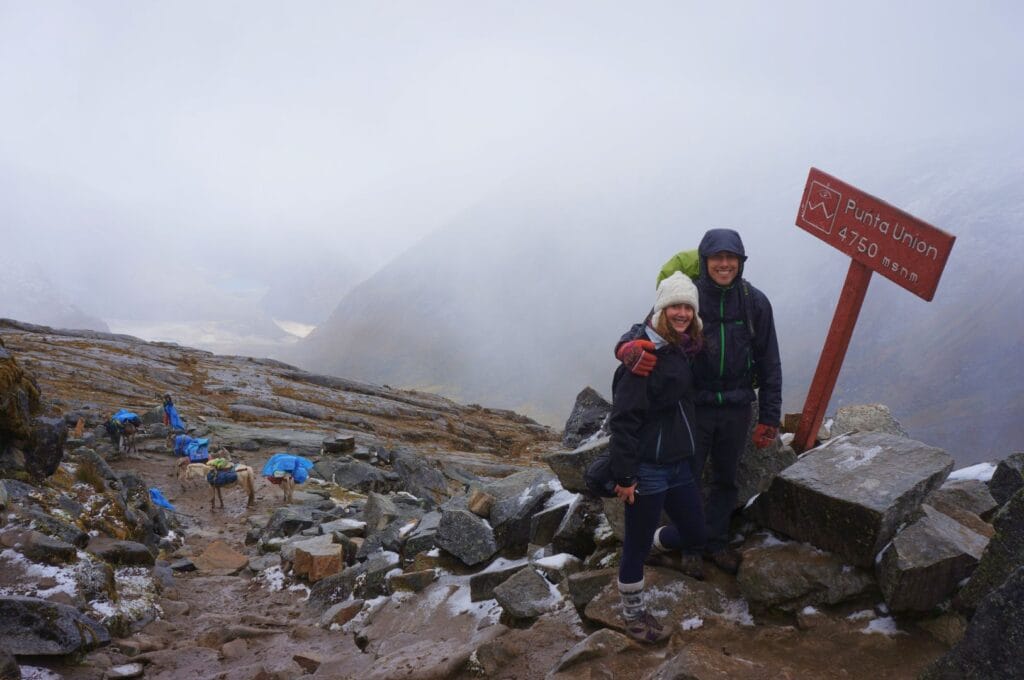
{"points": [[218, 625]]}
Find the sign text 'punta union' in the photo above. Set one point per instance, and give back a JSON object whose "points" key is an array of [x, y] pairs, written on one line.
{"points": [[886, 239]]}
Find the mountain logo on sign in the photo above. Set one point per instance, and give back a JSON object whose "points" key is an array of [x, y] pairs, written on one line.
{"points": [[821, 206]]}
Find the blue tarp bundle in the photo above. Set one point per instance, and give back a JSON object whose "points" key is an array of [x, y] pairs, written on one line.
{"points": [[297, 466], [197, 450], [173, 418], [158, 499], [179, 444], [125, 416]]}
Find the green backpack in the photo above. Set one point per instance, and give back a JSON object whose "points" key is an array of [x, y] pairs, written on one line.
{"points": [[685, 261]]}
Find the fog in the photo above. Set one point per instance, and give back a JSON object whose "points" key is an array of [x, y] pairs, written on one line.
{"points": [[195, 171]]}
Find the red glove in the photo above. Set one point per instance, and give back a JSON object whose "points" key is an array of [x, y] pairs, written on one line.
{"points": [[638, 356], [764, 435]]}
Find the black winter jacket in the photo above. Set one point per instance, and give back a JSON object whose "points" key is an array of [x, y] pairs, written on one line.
{"points": [[652, 418], [734, 359]]}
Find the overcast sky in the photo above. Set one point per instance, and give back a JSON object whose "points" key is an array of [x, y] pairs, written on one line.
{"points": [[235, 134]]}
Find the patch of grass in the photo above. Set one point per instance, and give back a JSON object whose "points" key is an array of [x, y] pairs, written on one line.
{"points": [[88, 474]]}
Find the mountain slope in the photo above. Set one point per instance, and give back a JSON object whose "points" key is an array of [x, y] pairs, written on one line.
{"points": [[520, 301]]}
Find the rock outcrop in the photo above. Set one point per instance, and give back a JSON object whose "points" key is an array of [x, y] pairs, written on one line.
{"points": [[851, 495]]}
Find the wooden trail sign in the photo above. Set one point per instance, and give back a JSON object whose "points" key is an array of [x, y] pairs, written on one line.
{"points": [[878, 238]]}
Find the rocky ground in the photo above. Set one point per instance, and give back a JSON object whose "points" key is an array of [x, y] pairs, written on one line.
{"points": [[226, 596]]}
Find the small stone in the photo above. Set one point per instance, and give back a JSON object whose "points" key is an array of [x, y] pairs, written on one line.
{"points": [[341, 613], [220, 558], [234, 649], [480, 503], [308, 662], [128, 670]]}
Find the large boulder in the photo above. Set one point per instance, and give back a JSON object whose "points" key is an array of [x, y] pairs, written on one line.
{"points": [[1005, 552], [121, 553], [419, 478], [31, 444], [569, 466], [466, 536], [30, 626], [850, 496], [19, 400], [43, 456], [357, 475], [287, 522], [972, 495], [866, 418], [926, 561], [991, 645], [517, 498], [790, 576], [679, 597], [423, 537], [527, 595], [587, 416], [1007, 478]]}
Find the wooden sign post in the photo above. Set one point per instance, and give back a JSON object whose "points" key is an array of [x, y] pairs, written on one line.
{"points": [[878, 238]]}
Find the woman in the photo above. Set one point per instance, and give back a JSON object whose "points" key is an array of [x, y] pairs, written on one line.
{"points": [[653, 436]]}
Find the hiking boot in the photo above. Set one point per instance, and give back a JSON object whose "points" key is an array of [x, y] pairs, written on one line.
{"points": [[726, 559], [691, 565], [645, 628]]}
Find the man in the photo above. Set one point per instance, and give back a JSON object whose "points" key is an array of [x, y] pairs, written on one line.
{"points": [[741, 353]]}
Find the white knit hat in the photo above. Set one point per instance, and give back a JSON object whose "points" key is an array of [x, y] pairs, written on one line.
{"points": [[677, 289]]}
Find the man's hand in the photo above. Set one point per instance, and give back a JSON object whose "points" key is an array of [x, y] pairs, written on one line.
{"points": [[626, 493], [764, 435], [638, 356]]}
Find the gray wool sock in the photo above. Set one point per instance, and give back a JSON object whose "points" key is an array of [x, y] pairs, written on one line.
{"points": [[632, 595]]}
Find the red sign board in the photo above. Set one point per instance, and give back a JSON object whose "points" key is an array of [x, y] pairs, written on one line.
{"points": [[885, 239]]}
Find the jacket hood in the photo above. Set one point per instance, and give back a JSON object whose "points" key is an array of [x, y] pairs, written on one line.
{"points": [[717, 240]]}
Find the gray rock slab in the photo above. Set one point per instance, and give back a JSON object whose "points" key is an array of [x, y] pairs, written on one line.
{"points": [[122, 553], [575, 535], [586, 418], [791, 576], [57, 528], [675, 598], [584, 586], [483, 583], [40, 547], [866, 418], [850, 495], [1005, 552], [526, 594], [357, 475], [991, 644], [287, 522], [1007, 478], [517, 498], [545, 523], [972, 495], [569, 466], [420, 478], [604, 642], [926, 561], [30, 626], [466, 536], [423, 537]]}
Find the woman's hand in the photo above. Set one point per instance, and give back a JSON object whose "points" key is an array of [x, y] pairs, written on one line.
{"points": [[626, 493]]}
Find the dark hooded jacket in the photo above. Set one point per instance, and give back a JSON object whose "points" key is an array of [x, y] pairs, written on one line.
{"points": [[741, 350], [652, 418]]}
